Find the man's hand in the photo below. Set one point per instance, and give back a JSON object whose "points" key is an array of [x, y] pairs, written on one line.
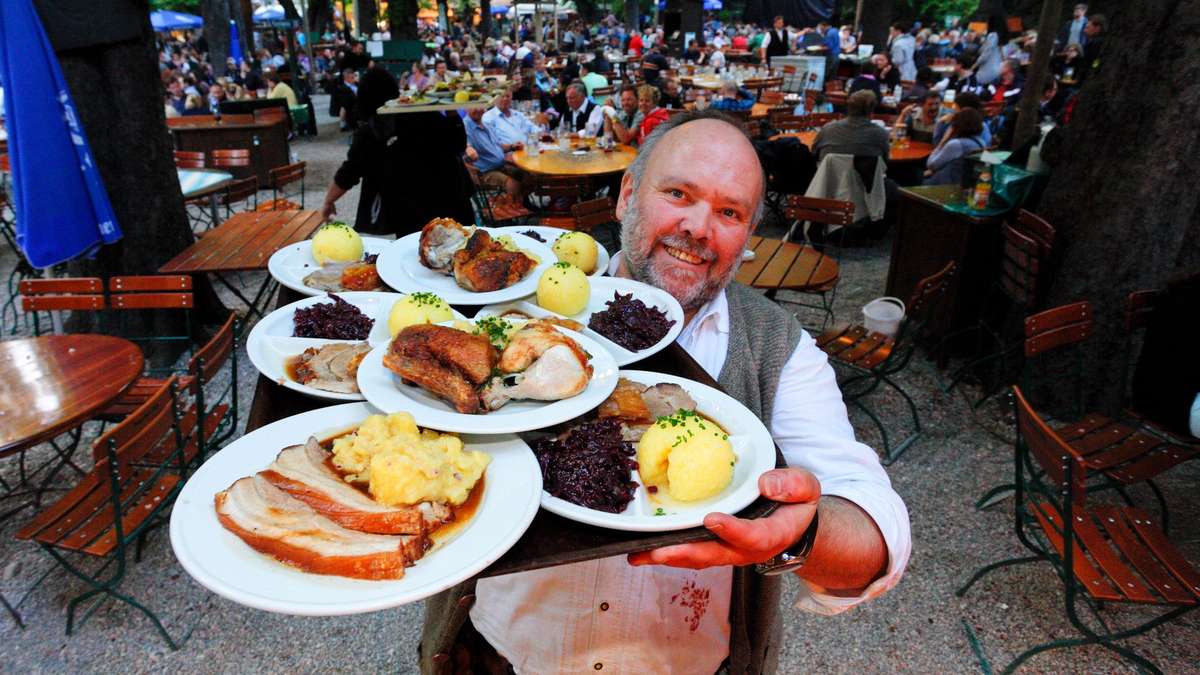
{"points": [[745, 542], [471, 154], [328, 210]]}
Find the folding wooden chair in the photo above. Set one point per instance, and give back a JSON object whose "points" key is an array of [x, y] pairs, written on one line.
{"points": [[156, 293], [594, 214], [217, 403], [77, 295], [874, 358], [828, 212], [116, 504], [557, 194], [1116, 453], [244, 191], [186, 159], [280, 178], [1020, 285], [783, 123], [1102, 553]]}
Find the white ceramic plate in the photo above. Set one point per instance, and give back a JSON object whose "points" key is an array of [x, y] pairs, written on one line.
{"points": [[551, 234], [290, 264], [751, 443], [224, 564], [271, 343], [400, 267], [385, 391], [602, 291]]}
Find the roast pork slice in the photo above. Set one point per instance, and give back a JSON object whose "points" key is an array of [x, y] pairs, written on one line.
{"points": [[302, 472], [273, 522], [665, 399]]}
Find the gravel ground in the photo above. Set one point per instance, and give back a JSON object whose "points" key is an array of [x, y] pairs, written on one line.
{"points": [[918, 627]]}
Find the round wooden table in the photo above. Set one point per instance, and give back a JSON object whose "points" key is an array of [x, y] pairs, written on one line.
{"points": [[911, 151], [53, 383], [592, 162]]}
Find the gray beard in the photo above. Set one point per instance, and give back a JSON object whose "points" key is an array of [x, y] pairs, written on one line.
{"points": [[640, 268]]}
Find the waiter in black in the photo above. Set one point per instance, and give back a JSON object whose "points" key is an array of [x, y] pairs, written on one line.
{"points": [[776, 41]]}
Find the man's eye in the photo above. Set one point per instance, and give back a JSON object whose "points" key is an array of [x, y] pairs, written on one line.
{"points": [[677, 194], [729, 213]]}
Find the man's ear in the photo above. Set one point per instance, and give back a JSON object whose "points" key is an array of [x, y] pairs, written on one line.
{"points": [[624, 195]]}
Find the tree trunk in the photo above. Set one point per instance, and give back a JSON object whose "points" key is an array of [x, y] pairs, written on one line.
{"points": [[402, 19], [1031, 97], [320, 16], [876, 21], [368, 13], [119, 99], [216, 33], [1123, 194], [485, 19], [632, 12]]}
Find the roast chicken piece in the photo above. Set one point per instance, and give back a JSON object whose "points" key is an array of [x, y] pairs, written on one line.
{"points": [[332, 367], [541, 364], [303, 472], [273, 522], [441, 238], [485, 265], [448, 362]]}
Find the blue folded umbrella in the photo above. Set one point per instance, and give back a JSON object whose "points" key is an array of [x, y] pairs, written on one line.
{"points": [[62, 207]]}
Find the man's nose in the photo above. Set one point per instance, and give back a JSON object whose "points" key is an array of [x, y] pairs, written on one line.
{"points": [[697, 221]]}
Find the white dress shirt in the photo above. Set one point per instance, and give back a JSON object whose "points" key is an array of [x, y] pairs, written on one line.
{"points": [[607, 615], [511, 128], [592, 126]]}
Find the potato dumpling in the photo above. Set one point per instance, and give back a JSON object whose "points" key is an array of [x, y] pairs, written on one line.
{"points": [[418, 308], [336, 242], [687, 456], [563, 289], [579, 249]]}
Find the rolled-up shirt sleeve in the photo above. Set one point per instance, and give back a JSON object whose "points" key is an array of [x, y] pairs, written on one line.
{"points": [[810, 425]]}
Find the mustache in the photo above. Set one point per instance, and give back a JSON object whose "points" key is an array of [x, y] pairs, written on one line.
{"points": [[689, 245]]}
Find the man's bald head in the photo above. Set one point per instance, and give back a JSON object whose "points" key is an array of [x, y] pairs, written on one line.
{"points": [[688, 204]]}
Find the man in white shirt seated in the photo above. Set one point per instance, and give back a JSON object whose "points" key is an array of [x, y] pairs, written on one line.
{"points": [[687, 206], [582, 117], [512, 128]]}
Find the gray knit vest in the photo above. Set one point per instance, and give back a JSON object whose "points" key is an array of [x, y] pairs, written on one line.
{"points": [[762, 336]]}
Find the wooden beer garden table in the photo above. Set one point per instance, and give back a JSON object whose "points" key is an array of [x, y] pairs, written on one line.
{"points": [[780, 265], [244, 243], [910, 151], [591, 162], [550, 540]]}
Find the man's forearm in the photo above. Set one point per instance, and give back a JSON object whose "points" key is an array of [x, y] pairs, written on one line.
{"points": [[849, 552]]}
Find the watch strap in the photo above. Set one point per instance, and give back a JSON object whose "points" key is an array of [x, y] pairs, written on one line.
{"points": [[794, 556]]}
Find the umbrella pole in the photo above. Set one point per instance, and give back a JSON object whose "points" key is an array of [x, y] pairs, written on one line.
{"points": [[56, 322]]}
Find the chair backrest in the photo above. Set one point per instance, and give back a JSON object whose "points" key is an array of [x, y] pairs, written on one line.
{"points": [[186, 159], [240, 190], [593, 213], [209, 358], [928, 291], [1058, 327], [82, 294], [559, 187], [287, 174], [1036, 227], [771, 96], [224, 157], [805, 122], [1062, 464], [1020, 267], [828, 211], [158, 291], [140, 432], [1139, 308]]}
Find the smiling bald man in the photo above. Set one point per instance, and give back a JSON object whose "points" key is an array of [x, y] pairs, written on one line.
{"points": [[687, 206]]}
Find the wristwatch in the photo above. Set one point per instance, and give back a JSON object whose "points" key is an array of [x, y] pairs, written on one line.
{"points": [[793, 557]]}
